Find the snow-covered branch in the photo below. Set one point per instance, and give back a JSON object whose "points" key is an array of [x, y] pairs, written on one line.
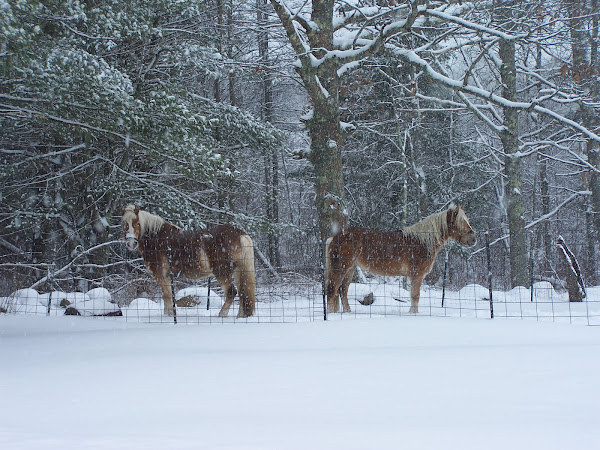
{"points": [[409, 56], [73, 261], [539, 219]]}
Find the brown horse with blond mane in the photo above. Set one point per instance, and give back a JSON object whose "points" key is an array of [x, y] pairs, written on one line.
{"points": [[223, 251], [408, 252]]}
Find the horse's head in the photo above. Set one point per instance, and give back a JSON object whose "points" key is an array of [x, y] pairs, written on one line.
{"points": [[459, 228], [132, 229]]}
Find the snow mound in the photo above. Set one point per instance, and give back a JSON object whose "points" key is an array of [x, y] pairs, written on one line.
{"points": [[519, 293], [25, 297], [143, 304], [99, 293], [96, 307], [58, 297], [543, 291], [474, 291], [198, 293]]}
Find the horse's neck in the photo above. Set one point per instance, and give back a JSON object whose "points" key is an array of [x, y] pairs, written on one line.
{"points": [[158, 238], [165, 230], [435, 248], [169, 229], [431, 232]]}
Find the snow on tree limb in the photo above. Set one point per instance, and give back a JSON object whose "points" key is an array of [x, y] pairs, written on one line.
{"points": [[541, 218], [73, 261], [409, 56]]}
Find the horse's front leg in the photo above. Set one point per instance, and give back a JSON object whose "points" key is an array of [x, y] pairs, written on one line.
{"points": [[164, 281], [415, 293]]}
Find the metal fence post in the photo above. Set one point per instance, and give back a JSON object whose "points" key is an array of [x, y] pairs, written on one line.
{"points": [[532, 268], [324, 283], [172, 287], [173, 296], [489, 266], [445, 276], [50, 278], [208, 295]]}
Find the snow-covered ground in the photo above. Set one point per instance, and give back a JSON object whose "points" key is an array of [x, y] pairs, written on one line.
{"points": [[405, 382]]}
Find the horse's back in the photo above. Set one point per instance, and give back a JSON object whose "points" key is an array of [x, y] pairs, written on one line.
{"points": [[380, 252], [226, 233], [226, 245], [367, 239]]}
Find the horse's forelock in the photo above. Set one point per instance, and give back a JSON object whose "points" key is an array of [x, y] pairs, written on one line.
{"points": [[462, 222], [129, 210], [128, 213]]}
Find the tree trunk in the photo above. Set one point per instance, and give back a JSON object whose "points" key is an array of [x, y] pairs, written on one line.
{"points": [[403, 137], [512, 162], [270, 156], [224, 183], [544, 237], [584, 70], [590, 119], [231, 75], [326, 158], [321, 82], [545, 200], [324, 126]]}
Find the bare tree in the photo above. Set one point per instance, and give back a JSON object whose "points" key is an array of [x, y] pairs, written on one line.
{"points": [[329, 38]]}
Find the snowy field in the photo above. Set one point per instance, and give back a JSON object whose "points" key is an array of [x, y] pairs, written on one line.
{"points": [[406, 382]]}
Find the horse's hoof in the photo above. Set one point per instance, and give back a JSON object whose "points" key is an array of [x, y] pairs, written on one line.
{"points": [[333, 308], [413, 310], [223, 314]]}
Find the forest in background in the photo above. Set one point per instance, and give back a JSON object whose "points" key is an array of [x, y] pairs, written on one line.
{"points": [[285, 117]]}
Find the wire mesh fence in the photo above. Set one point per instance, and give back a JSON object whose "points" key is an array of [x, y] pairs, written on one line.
{"points": [[458, 286]]}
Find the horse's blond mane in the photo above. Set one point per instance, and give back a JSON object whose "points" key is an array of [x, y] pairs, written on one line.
{"points": [[432, 230], [149, 223]]}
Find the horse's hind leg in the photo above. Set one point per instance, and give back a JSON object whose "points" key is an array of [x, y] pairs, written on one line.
{"points": [[346, 280], [333, 283], [244, 307], [230, 293]]}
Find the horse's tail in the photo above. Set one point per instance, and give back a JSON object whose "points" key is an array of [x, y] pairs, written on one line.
{"points": [[329, 283], [247, 277], [327, 258]]}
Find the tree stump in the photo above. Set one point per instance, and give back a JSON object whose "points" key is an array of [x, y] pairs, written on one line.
{"points": [[571, 272]]}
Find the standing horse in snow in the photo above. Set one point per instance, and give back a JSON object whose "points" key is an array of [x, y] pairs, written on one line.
{"points": [[223, 251], [409, 252]]}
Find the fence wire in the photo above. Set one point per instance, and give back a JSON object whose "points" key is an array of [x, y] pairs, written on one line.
{"points": [[456, 287]]}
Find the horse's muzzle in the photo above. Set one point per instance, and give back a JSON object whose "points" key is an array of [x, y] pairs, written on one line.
{"points": [[132, 243], [470, 239]]}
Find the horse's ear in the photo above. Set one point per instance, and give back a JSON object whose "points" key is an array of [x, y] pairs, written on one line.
{"points": [[453, 213]]}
